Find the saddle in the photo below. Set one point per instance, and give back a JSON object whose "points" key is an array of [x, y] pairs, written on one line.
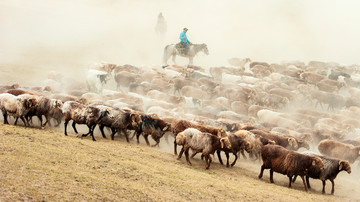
{"points": [[181, 48]]}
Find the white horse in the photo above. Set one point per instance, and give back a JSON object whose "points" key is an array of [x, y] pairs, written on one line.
{"points": [[171, 50]]}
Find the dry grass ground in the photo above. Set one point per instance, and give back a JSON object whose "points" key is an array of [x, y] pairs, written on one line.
{"points": [[45, 165]]}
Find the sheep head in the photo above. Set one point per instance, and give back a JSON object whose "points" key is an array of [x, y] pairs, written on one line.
{"points": [[317, 162], [293, 144], [224, 141], [345, 165]]}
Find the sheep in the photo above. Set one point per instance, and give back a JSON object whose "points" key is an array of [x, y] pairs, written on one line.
{"points": [[81, 114], [3, 89], [254, 141], [16, 106], [311, 78], [237, 144], [123, 119], [283, 161], [154, 126], [96, 80], [203, 142], [284, 141], [332, 168], [103, 66], [124, 78], [179, 125], [44, 107], [17, 92], [239, 62], [339, 150], [190, 91], [179, 83]]}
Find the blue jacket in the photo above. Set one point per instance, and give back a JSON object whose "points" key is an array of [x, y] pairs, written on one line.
{"points": [[184, 38]]}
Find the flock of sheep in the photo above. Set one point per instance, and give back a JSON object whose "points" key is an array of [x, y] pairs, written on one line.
{"points": [[267, 110]]}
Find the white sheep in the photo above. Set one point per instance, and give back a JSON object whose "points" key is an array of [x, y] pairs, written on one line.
{"points": [[16, 106], [96, 80]]}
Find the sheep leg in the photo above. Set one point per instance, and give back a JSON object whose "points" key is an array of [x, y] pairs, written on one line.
{"points": [[5, 117], [308, 182], [40, 118], [271, 176], [290, 179], [175, 146], [101, 127], [243, 154], [306, 188], [84, 135], [236, 157], [65, 126], [23, 119], [187, 155], [261, 172], [58, 122], [133, 135], [206, 162], [227, 159], [219, 157], [193, 154], [16, 120], [294, 178], [113, 134], [333, 185], [180, 154], [92, 132], [138, 136], [126, 135], [209, 160], [47, 121], [146, 139], [324, 183], [73, 125], [157, 143]]}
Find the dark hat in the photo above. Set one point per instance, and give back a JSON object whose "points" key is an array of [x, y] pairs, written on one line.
{"points": [[185, 28]]}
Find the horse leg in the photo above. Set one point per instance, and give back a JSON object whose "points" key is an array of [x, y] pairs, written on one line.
{"points": [[191, 60], [173, 58]]}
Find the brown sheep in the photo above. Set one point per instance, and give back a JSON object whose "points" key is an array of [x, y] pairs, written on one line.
{"points": [[284, 141], [339, 150], [237, 144], [286, 162], [44, 107], [190, 91], [331, 170], [81, 114], [311, 78]]}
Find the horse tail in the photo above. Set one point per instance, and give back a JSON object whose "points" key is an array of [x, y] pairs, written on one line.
{"points": [[165, 57]]}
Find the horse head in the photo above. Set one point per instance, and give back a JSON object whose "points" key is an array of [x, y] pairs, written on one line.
{"points": [[205, 49]]}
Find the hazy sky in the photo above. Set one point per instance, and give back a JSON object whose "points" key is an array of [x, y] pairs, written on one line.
{"points": [[77, 32]]}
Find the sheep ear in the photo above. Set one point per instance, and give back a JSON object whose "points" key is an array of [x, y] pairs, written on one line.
{"points": [[290, 142], [165, 128], [313, 163], [221, 142], [340, 165]]}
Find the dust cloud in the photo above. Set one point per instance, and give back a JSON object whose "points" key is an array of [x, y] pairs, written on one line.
{"points": [[80, 32]]}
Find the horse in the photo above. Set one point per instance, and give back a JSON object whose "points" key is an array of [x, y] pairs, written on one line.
{"points": [[171, 50]]}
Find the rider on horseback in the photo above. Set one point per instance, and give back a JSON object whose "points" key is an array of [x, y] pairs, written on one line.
{"points": [[184, 40]]}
